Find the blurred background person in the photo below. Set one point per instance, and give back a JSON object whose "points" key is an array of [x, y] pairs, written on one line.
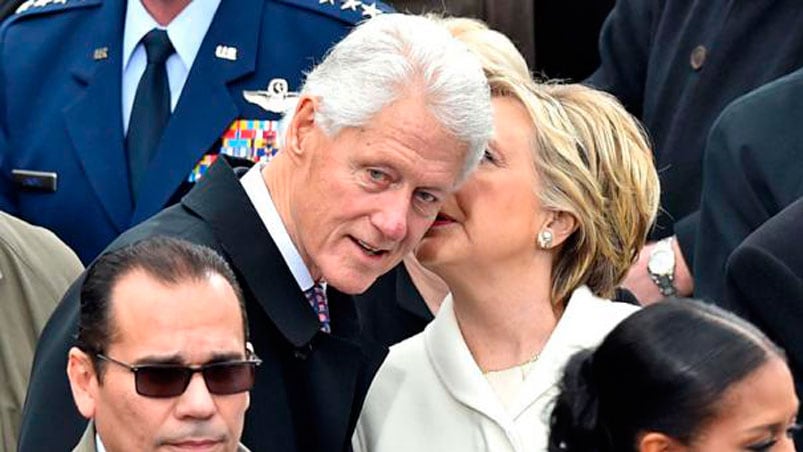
{"points": [[676, 64], [570, 177], [162, 358], [35, 270], [677, 376]]}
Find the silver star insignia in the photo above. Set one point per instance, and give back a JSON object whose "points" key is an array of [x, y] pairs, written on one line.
{"points": [[331, 2], [370, 10], [350, 4]]}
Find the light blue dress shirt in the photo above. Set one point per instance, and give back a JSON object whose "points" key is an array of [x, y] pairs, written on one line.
{"points": [[186, 32]]}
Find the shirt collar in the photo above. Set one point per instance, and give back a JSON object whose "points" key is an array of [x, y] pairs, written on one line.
{"points": [[186, 31], [99, 444], [258, 193]]}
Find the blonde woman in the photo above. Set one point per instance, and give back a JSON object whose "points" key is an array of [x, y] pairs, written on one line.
{"points": [[531, 247]]}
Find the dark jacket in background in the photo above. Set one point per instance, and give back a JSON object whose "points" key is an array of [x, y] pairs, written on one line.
{"points": [[7, 7], [753, 170], [558, 38], [566, 37], [514, 18], [676, 64], [765, 285], [310, 387]]}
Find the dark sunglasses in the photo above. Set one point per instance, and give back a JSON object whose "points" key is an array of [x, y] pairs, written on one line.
{"points": [[171, 380]]}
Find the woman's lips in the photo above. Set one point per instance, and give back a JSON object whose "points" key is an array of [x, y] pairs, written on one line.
{"points": [[442, 220]]}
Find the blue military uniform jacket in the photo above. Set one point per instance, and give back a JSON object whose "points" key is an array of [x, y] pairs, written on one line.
{"points": [[61, 112]]}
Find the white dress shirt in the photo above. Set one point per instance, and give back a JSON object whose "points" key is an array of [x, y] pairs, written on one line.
{"points": [[186, 32], [430, 395], [258, 193], [99, 444]]}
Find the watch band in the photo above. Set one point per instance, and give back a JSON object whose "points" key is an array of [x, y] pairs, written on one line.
{"points": [[665, 284], [664, 279]]}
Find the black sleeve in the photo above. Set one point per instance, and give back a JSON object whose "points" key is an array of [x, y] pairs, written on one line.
{"points": [[624, 48], [750, 173], [685, 232], [765, 284]]}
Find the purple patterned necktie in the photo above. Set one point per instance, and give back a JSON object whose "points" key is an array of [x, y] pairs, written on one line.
{"points": [[317, 299]]}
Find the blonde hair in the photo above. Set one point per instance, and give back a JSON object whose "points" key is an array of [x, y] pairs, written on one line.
{"points": [[594, 162], [504, 67], [592, 159]]}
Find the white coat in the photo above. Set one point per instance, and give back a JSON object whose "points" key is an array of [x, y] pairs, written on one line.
{"points": [[430, 395]]}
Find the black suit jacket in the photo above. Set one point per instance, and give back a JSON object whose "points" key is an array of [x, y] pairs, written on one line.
{"points": [[311, 385], [765, 284], [392, 310], [752, 171]]}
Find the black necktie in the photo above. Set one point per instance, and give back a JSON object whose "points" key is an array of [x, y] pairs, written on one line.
{"points": [[151, 109]]}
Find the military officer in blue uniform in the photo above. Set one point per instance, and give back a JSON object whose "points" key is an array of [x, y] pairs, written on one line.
{"points": [[69, 72]]}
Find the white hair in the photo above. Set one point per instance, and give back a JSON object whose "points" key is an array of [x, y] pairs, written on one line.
{"points": [[391, 55]]}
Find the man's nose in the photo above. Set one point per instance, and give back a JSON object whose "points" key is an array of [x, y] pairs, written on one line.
{"points": [[391, 216], [196, 402]]}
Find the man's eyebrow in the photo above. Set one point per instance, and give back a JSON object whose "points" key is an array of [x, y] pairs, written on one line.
{"points": [[159, 359], [177, 359], [226, 356]]}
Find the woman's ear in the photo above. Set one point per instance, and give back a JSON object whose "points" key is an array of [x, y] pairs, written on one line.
{"points": [[560, 225], [302, 127], [659, 442]]}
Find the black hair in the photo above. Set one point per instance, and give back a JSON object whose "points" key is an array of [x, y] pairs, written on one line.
{"points": [[663, 369], [168, 260]]}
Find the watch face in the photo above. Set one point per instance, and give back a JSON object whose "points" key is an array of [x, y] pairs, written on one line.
{"points": [[661, 262]]}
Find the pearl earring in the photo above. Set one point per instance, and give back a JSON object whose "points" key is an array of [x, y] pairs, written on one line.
{"points": [[545, 239]]}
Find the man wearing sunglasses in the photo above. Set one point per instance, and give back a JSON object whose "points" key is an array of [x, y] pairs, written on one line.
{"points": [[162, 358]]}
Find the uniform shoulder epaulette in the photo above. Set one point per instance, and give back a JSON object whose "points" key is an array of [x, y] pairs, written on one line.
{"points": [[31, 7], [351, 11]]}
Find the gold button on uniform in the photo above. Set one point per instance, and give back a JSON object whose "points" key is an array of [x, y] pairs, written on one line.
{"points": [[698, 57]]}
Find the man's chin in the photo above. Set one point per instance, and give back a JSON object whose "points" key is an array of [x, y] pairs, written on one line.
{"points": [[353, 286], [354, 282]]}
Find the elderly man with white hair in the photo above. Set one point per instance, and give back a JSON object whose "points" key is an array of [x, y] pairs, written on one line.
{"points": [[390, 123]]}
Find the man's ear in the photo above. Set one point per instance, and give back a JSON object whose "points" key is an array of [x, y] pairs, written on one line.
{"points": [[83, 381], [302, 129], [562, 225], [659, 442]]}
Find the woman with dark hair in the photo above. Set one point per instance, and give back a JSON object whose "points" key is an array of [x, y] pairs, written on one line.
{"points": [[677, 376]]}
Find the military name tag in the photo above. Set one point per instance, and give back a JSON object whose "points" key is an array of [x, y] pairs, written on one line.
{"points": [[44, 181]]}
